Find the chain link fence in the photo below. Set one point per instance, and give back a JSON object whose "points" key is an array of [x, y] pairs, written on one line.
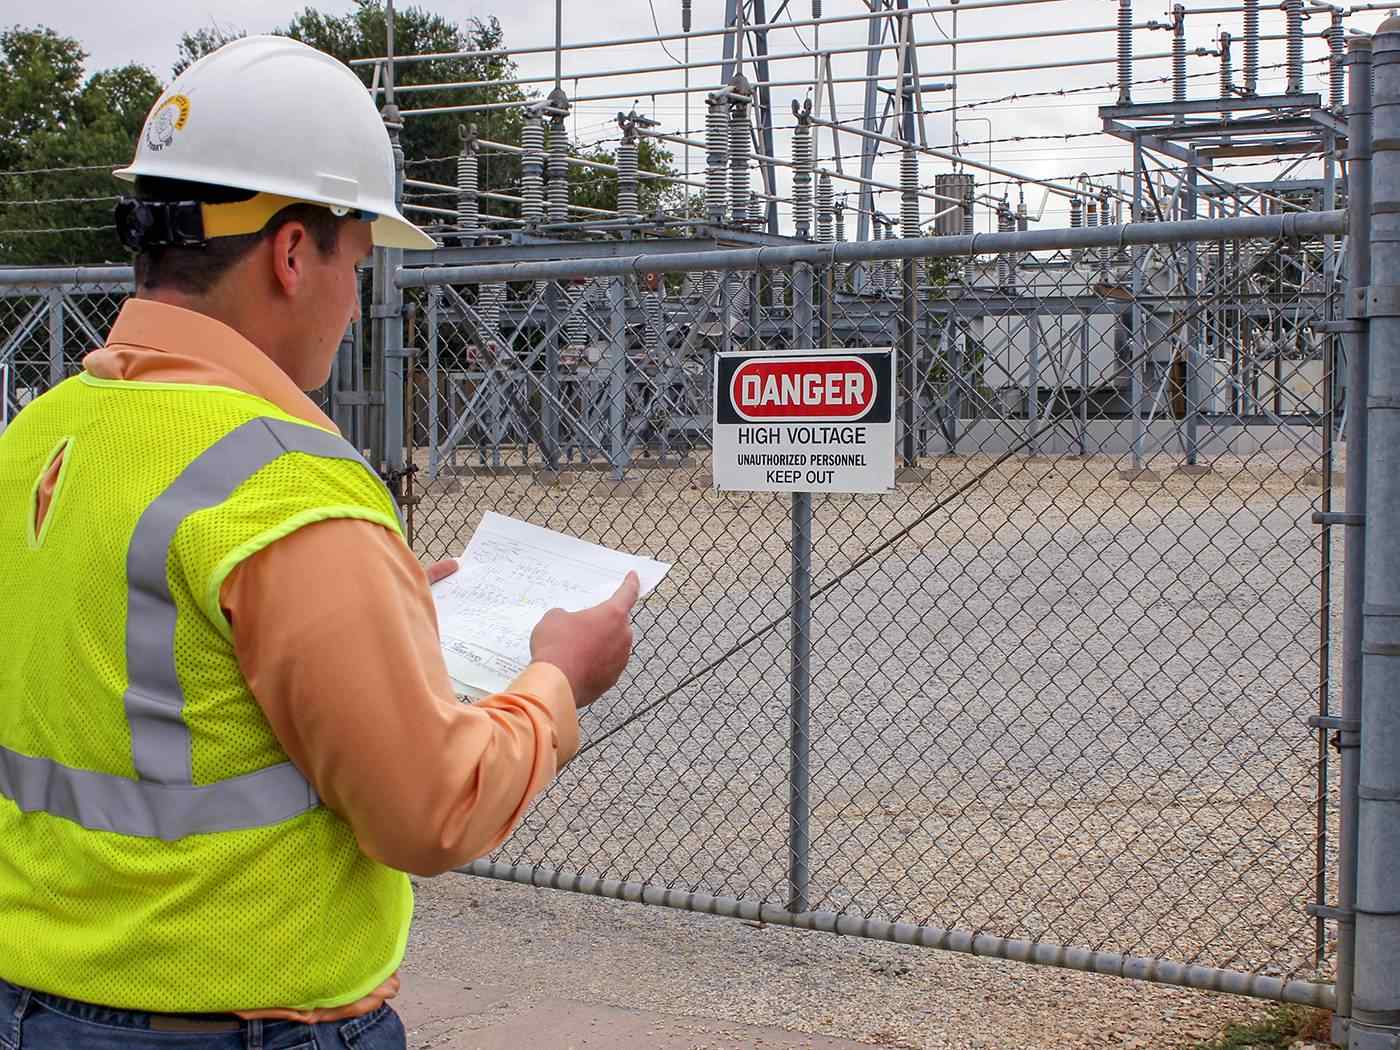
{"points": [[47, 327], [1059, 680], [51, 318], [1054, 688]]}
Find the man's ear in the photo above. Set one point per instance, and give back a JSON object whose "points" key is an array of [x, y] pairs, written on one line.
{"points": [[289, 246]]}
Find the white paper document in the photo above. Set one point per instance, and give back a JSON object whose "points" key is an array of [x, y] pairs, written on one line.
{"points": [[510, 575]]}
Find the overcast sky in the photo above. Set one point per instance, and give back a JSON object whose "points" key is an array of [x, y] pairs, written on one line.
{"points": [[119, 31]]}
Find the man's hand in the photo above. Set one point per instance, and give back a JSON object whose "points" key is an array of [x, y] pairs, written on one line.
{"points": [[591, 647], [440, 570]]}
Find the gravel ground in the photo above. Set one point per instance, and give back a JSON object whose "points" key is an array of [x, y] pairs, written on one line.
{"points": [[548, 945], [1066, 706]]}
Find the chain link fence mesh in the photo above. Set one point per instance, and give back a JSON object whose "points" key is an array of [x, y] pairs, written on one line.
{"points": [[1060, 676], [44, 333], [1068, 703]]}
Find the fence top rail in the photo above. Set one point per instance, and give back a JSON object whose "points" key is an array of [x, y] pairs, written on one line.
{"points": [[64, 276], [1260, 227]]}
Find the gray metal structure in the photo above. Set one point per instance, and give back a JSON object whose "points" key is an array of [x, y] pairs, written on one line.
{"points": [[1175, 145]]}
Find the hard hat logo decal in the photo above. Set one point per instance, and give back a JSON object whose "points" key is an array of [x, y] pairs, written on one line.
{"points": [[167, 118]]}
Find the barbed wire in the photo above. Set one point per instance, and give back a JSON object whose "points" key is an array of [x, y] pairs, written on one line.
{"points": [[16, 172], [1058, 92], [30, 202], [1122, 171], [56, 229]]}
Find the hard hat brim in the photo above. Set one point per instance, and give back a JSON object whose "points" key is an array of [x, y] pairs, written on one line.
{"points": [[394, 231]]}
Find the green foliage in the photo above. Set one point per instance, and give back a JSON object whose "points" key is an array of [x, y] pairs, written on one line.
{"points": [[51, 118], [196, 44], [40, 77], [1280, 1028]]}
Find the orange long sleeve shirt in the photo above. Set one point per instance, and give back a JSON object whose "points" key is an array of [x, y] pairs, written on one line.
{"points": [[335, 632]]}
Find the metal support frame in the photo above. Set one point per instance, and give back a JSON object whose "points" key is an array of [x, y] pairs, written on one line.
{"points": [[735, 29], [871, 123]]}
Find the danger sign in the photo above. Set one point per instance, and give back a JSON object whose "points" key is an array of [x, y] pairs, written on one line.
{"points": [[840, 388], [805, 421]]}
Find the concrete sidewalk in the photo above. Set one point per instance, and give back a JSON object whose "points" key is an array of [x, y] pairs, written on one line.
{"points": [[446, 1015]]}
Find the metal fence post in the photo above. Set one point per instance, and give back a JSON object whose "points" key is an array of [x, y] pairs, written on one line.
{"points": [[55, 336], [1193, 333], [956, 342], [908, 319], [388, 330], [800, 680], [1082, 429], [387, 308], [434, 394], [1033, 382], [556, 307], [1354, 535], [1375, 1020], [1137, 338], [617, 377]]}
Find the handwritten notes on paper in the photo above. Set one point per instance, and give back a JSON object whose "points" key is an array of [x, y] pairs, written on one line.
{"points": [[510, 575]]}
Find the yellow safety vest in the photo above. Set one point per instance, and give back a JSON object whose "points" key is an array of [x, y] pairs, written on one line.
{"points": [[158, 850]]}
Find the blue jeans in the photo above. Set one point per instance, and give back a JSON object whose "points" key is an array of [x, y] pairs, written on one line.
{"points": [[35, 1021]]}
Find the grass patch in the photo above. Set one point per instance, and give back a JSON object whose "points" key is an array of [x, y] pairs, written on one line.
{"points": [[1281, 1027]]}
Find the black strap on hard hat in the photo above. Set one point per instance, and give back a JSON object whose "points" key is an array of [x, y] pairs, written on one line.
{"points": [[143, 224]]}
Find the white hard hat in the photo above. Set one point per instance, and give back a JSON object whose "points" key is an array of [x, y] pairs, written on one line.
{"points": [[273, 116]]}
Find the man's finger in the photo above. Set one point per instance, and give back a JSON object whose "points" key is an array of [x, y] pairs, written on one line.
{"points": [[440, 570], [626, 594]]}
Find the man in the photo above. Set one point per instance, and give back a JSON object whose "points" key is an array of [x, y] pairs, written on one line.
{"points": [[226, 730]]}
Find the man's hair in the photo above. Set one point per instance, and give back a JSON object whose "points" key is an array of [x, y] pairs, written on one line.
{"points": [[196, 270]]}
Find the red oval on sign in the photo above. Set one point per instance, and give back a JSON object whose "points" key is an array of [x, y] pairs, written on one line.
{"points": [[841, 388]]}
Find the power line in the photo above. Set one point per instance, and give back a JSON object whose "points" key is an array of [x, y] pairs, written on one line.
{"points": [[657, 26], [792, 24]]}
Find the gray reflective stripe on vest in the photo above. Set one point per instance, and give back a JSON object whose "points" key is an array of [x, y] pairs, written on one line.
{"points": [[164, 802], [103, 802], [160, 739]]}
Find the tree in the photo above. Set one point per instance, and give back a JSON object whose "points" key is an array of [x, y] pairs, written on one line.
{"points": [[197, 43], [50, 118]]}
